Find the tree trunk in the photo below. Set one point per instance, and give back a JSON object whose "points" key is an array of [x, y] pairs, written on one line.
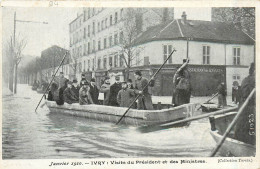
{"points": [[11, 79], [15, 79]]}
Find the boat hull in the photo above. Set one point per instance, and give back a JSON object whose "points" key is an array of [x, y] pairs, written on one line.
{"points": [[113, 114], [231, 146]]}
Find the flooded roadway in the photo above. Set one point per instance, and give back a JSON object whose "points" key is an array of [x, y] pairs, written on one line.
{"points": [[42, 135]]}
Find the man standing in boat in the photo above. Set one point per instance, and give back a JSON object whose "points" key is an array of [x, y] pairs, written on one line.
{"points": [[126, 96], [181, 85], [114, 89], [144, 101], [245, 127], [105, 88], [84, 95], [222, 92], [94, 92]]}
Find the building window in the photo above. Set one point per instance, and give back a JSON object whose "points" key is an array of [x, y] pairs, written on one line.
{"points": [[99, 63], [146, 60], [115, 17], [88, 13], [94, 46], [88, 30], [106, 23], [93, 64], [105, 43], [93, 31], [98, 26], [236, 77], [121, 13], [110, 61], [85, 32], [102, 25], [111, 20], [116, 60], [85, 49], [167, 49], [105, 62], [121, 60], [88, 47], [121, 37], [236, 55], [206, 55], [116, 39], [99, 45], [110, 41], [80, 51], [88, 64]]}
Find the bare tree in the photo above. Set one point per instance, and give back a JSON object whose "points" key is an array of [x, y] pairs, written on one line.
{"points": [[74, 60], [242, 18]]}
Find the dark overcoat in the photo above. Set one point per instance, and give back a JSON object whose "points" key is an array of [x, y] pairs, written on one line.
{"points": [[114, 89], [94, 92], [126, 97]]}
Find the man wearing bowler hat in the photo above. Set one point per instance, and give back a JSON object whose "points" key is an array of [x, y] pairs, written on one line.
{"points": [[93, 90]]}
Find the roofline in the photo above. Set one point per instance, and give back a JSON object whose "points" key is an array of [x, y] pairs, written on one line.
{"points": [[194, 39], [75, 19]]}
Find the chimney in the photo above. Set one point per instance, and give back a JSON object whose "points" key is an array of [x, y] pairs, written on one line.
{"points": [[184, 16]]}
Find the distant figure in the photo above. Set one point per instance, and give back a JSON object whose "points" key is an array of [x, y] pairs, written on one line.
{"points": [[235, 92], [75, 87], [125, 96], [144, 101], [181, 85], [51, 93], [62, 80], [105, 88], [84, 95], [35, 85], [222, 93], [130, 84], [245, 127], [69, 96], [94, 92], [114, 89], [83, 78]]}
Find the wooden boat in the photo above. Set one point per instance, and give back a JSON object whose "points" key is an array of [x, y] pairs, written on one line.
{"points": [[211, 107], [231, 146], [113, 114]]}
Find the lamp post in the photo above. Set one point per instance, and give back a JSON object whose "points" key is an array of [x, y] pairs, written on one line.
{"points": [[15, 57]]}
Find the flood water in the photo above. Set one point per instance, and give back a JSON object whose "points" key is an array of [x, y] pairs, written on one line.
{"points": [[42, 135]]}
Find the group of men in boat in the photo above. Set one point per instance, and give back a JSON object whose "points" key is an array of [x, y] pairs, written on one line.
{"points": [[120, 94]]}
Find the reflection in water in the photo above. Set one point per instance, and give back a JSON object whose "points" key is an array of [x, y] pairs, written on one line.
{"points": [[27, 135]]}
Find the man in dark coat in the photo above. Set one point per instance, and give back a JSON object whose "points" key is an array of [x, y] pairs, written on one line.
{"points": [[222, 92], [125, 96], [84, 95], [144, 101], [245, 127], [69, 96], [83, 79], [114, 89], [75, 88], [62, 80], [181, 85], [94, 92]]}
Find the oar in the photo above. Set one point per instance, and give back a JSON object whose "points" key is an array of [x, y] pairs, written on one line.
{"points": [[176, 123], [208, 100], [51, 80], [145, 87], [232, 124]]}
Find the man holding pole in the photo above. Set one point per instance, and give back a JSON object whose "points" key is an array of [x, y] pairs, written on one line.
{"points": [[144, 101]]}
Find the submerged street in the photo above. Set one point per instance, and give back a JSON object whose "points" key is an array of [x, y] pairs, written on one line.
{"points": [[42, 135]]}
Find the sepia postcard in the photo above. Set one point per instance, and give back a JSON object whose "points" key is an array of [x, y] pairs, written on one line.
{"points": [[129, 84]]}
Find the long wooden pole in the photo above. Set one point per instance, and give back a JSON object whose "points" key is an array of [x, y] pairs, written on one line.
{"points": [[146, 86], [232, 124], [209, 100], [52, 79]]}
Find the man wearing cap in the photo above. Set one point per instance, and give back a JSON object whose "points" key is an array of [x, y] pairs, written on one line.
{"points": [[83, 78], [105, 88], [69, 96], [75, 88], [144, 101], [62, 80], [126, 96], [84, 95], [94, 92], [114, 89]]}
